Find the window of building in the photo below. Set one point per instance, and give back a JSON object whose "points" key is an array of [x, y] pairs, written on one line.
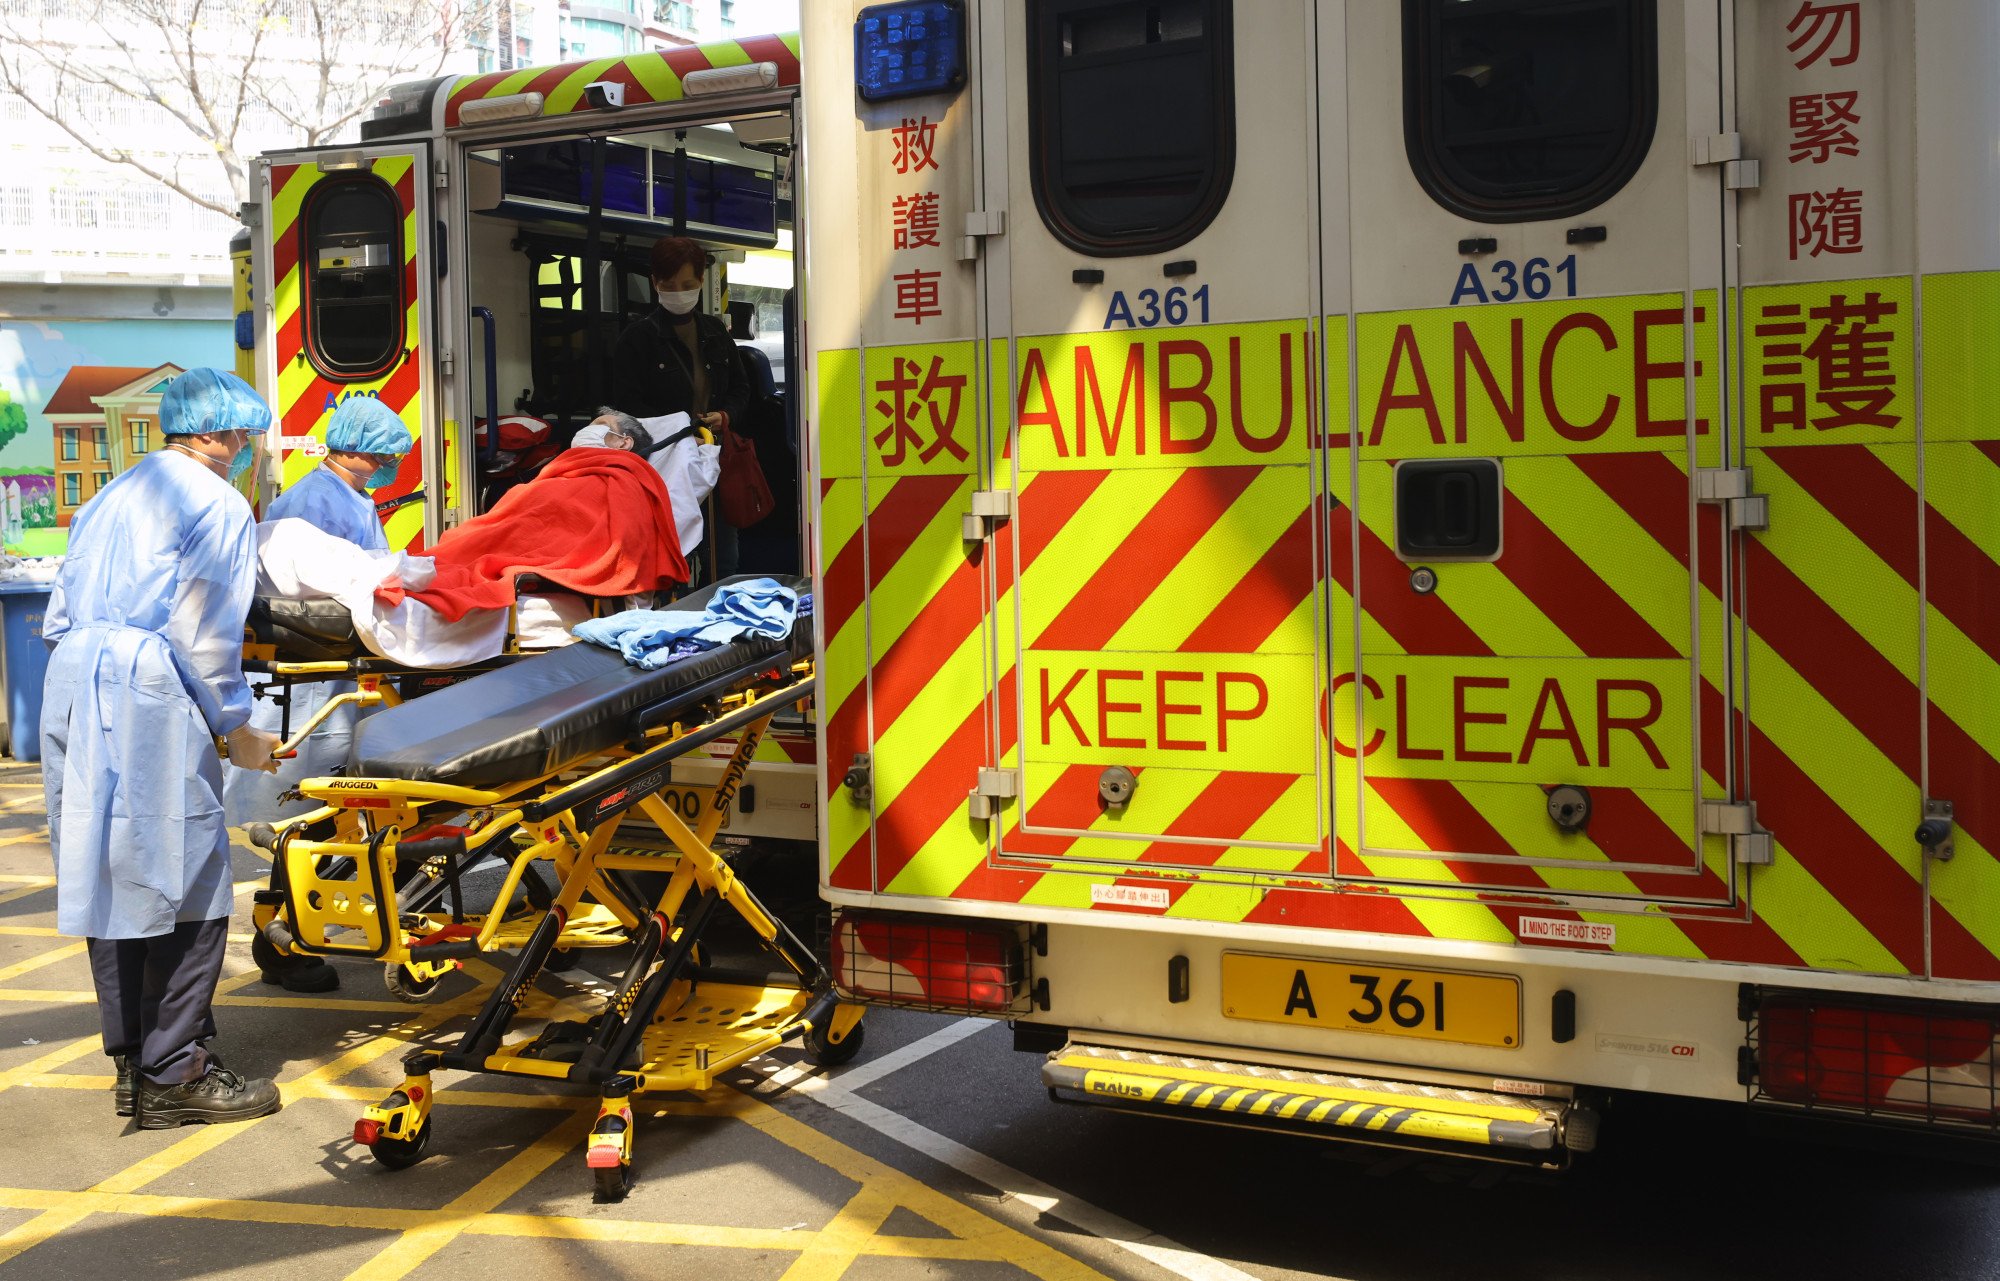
{"points": [[728, 15], [352, 233], [142, 435], [69, 444], [98, 480], [1523, 109], [1131, 116], [72, 488], [98, 444]]}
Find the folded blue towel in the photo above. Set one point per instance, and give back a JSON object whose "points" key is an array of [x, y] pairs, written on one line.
{"points": [[652, 638]]}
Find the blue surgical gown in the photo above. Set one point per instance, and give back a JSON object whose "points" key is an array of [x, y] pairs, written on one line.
{"points": [[147, 623], [330, 504]]}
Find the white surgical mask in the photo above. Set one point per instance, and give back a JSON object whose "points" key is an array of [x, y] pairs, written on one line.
{"points": [[679, 302]]}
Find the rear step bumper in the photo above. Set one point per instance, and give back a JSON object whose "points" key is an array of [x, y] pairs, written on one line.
{"points": [[1331, 1105]]}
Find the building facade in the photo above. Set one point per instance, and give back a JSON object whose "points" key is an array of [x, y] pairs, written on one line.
{"points": [[104, 418]]}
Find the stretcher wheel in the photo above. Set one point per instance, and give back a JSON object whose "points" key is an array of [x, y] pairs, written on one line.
{"points": [[407, 986], [560, 959], [823, 1053], [401, 1154], [608, 1186]]}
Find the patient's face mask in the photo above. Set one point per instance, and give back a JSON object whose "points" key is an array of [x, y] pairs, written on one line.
{"points": [[679, 302]]}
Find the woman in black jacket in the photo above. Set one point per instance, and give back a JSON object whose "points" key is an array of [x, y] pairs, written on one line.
{"points": [[677, 359]]}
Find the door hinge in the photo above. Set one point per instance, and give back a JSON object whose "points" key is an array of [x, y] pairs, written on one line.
{"points": [[445, 362], [980, 224], [1742, 505], [1749, 844], [1934, 832], [995, 786], [439, 178], [989, 508], [250, 214], [1739, 173]]}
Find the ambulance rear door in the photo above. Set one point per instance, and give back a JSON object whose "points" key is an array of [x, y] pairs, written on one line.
{"points": [[1532, 671], [348, 250], [1157, 655]]}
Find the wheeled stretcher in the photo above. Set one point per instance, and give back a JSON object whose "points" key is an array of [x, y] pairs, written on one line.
{"points": [[543, 761]]}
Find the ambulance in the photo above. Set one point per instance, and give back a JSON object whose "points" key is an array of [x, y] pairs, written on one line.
{"points": [[471, 261], [1397, 570]]}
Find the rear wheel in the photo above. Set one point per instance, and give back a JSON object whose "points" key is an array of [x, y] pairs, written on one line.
{"points": [[826, 1053], [610, 1184], [401, 1154], [406, 986]]}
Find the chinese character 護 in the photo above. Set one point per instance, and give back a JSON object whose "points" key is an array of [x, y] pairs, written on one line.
{"points": [[914, 220], [906, 398], [1825, 222], [1849, 354], [1825, 24], [916, 143], [917, 295], [1820, 126]]}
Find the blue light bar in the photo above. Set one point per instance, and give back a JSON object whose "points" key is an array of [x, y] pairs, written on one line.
{"points": [[901, 50]]}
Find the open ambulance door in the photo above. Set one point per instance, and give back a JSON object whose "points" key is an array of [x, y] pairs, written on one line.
{"points": [[1525, 268], [351, 311]]}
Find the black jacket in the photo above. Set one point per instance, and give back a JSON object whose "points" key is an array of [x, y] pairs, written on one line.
{"points": [[650, 374]]}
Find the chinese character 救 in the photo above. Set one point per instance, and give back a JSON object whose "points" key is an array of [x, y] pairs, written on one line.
{"points": [[907, 400], [916, 143], [1825, 24], [1850, 360], [917, 295], [1820, 126], [914, 220], [1826, 222]]}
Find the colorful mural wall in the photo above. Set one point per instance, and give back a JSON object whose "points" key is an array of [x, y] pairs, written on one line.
{"points": [[77, 402]]}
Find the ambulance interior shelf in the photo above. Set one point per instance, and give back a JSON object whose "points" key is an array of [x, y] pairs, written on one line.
{"points": [[648, 191]]}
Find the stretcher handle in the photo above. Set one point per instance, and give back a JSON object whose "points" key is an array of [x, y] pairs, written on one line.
{"points": [[491, 448]]}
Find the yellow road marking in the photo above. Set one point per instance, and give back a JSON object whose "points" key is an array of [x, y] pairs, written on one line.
{"points": [[36, 962]]}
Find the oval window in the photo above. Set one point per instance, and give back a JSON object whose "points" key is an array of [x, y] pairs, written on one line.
{"points": [[1131, 116], [352, 251], [1522, 109]]}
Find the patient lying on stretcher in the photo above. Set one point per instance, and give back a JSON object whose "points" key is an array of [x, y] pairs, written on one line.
{"points": [[597, 523]]}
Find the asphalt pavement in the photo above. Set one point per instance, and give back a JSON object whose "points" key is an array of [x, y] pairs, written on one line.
{"points": [[936, 1154]]}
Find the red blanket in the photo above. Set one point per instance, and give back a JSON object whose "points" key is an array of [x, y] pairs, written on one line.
{"points": [[597, 521]]}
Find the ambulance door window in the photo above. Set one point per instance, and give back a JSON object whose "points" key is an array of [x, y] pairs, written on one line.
{"points": [[1523, 109], [354, 278], [1131, 110]]}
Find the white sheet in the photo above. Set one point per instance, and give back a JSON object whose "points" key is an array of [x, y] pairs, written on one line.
{"points": [[298, 560]]}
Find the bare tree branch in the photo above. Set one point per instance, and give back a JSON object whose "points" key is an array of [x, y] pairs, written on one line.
{"points": [[236, 76]]}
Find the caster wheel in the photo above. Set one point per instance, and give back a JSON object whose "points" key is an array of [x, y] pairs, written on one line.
{"points": [[823, 1053], [401, 1154], [406, 986], [561, 959], [609, 1186]]}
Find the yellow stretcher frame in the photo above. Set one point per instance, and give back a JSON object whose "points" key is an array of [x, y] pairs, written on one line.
{"points": [[692, 1028]]}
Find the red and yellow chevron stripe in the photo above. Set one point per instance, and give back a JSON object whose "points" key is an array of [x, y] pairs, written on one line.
{"points": [[647, 77], [1836, 667], [305, 397]]}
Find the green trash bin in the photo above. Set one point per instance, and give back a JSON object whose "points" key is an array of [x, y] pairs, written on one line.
{"points": [[21, 608]]}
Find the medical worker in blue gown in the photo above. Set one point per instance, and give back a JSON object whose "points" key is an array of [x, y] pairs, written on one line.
{"points": [[365, 444], [147, 623]]}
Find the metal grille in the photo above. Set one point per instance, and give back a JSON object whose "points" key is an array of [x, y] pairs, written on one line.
{"points": [[1930, 1063], [938, 964]]}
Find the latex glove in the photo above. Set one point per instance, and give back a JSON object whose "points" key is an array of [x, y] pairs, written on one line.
{"points": [[252, 749]]}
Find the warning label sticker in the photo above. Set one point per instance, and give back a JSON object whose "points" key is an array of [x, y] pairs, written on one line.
{"points": [[1554, 931]]}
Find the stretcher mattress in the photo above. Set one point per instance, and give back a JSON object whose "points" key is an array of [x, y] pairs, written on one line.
{"points": [[321, 630], [543, 713]]}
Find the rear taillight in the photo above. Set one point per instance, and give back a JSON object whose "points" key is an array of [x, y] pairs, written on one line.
{"points": [[931, 963], [1924, 1060]]}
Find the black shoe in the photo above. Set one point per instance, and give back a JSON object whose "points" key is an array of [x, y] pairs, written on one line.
{"points": [[121, 1093], [217, 1095], [291, 971]]}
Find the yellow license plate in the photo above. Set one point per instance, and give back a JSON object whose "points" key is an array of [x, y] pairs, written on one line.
{"points": [[1434, 1005]]}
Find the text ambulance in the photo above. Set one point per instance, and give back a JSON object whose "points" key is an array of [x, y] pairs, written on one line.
{"points": [[1388, 569]]}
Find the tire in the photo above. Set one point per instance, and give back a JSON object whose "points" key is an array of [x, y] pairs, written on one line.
{"points": [[401, 1154], [405, 986], [608, 1187], [823, 1053]]}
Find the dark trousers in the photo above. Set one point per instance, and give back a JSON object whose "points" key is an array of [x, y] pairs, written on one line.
{"points": [[154, 997]]}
